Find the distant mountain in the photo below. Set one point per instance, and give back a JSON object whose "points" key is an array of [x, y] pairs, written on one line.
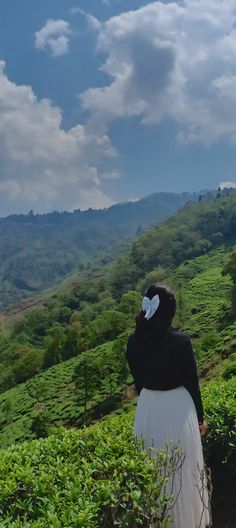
{"points": [[37, 251]]}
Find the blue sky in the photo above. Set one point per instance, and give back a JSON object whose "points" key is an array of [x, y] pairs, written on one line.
{"points": [[106, 101]]}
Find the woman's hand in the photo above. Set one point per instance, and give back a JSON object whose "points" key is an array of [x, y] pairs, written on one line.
{"points": [[203, 428]]}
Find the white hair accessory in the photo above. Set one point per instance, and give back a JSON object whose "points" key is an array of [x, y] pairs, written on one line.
{"points": [[150, 306]]}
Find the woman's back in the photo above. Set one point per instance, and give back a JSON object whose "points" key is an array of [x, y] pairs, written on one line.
{"points": [[163, 362], [158, 359], [169, 408]]}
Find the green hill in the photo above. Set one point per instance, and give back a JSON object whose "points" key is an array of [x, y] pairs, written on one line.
{"points": [[63, 364], [201, 313], [37, 251], [90, 309]]}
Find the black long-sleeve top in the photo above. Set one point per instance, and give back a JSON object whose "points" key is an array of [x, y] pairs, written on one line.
{"points": [[163, 363]]}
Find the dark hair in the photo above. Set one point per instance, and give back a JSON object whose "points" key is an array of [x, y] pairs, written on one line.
{"points": [[162, 319]]}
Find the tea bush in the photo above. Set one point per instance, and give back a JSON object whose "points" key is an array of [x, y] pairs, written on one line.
{"points": [[219, 399], [230, 370], [97, 477]]}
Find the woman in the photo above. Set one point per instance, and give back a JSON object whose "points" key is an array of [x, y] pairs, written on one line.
{"points": [[169, 408]]}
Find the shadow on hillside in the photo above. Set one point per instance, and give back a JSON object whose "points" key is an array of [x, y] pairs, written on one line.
{"points": [[106, 407], [224, 502]]}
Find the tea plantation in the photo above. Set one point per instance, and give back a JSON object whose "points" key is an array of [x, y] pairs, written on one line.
{"points": [[96, 477]]}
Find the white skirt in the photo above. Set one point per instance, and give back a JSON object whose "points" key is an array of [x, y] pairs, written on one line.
{"points": [[170, 417]]}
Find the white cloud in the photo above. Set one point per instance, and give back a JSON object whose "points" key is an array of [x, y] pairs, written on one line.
{"points": [[163, 61], [93, 22], [228, 185], [54, 37], [43, 166], [112, 175], [170, 61]]}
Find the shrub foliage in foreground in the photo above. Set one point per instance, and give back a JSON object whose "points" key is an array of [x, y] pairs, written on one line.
{"points": [[97, 477], [92, 478], [219, 398]]}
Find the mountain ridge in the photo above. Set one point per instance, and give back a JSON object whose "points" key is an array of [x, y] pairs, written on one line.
{"points": [[38, 251]]}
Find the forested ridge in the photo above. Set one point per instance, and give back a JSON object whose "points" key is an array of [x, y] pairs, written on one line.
{"points": [[63, 364], [38, 250]]}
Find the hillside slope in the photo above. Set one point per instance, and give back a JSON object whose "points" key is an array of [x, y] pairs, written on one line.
{"points": [[101, 308], [91, 322], [84, 310], [37, 251], [201, 314]]}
